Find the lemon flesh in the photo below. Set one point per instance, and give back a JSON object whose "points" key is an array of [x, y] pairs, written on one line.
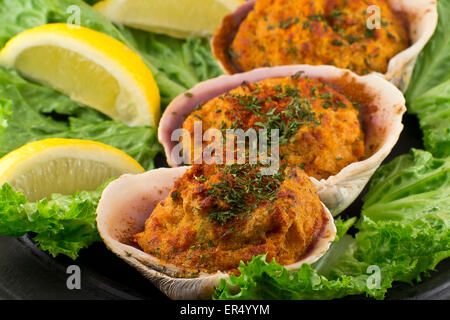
{"points": [[90, 67], [100, 89], [41, 168], [177, 18]]}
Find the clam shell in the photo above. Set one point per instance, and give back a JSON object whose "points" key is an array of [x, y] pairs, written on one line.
{"points": [[422, 20], [383, 122], [125, 205]]}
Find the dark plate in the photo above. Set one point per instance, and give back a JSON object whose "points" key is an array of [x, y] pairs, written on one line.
{"points": [[29, 273]]}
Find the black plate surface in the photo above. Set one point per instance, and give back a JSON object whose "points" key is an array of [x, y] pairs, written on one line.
{"points": [[28, 273]]}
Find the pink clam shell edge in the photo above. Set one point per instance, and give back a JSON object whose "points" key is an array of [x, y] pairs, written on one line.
{"points": [[125, 205]]}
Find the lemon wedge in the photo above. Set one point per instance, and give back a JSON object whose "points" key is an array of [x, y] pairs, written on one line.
{"points": [[177, 18], [92, 68], [64, 166]]}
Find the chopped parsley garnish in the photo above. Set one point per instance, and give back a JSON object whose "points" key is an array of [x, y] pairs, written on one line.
{"points": [[249, 102], [156, 252], [291, 49], [316, 17], [278, 88], [174, 195], [326, 95], [370, 33], [232, 54], [356, 104], [211, 244], [200, 178], [306, 24], [297, 113], [390, 35], [297, 74], [352, 39], [240, 189], [341, 104], [337, 43], [326, 104], [337, 14], [289, 22]]}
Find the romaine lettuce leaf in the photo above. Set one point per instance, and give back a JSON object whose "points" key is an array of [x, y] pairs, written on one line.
{"points": [[428, 95], [5, 112], [64, 224], [185, 62], [402, 187], [433, 111], [410, 200], [433, 62], [396, 240]]}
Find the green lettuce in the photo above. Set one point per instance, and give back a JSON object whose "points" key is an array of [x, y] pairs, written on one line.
{"points": [[433, 62], [433, 111], [342, 226], [410, 199], [62, 224], [184, 62], [402, 234], [5, 112], [428, 95], [262, 280], [408, 188]]}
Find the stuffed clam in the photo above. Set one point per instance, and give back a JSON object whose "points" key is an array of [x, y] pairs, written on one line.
{"points": [[336, 126], [186, 228], [382, 36]]}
